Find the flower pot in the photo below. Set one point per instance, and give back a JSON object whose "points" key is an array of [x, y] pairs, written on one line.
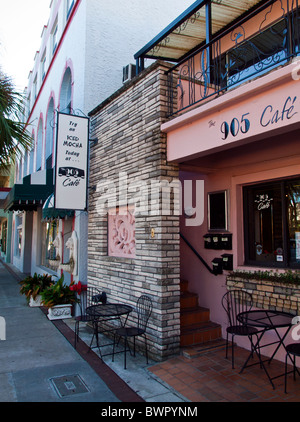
{"points": [[54, 263], [33, 303], [60, 312], [68, 267]]}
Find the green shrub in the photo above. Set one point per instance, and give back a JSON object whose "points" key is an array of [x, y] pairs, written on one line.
{"points": [[288, 277], [58, 294], [34, 285]]}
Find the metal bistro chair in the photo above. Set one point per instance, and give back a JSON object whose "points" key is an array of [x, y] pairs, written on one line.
{"points": [[292, 350], [143, 310], [91, 296], [235, 302]]}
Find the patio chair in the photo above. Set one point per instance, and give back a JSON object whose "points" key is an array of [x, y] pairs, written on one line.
{"points": [[143, 310], [91, 296], [235, 302], [292, 350]]}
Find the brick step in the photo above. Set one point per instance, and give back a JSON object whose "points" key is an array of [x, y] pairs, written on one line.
{"points": [[197, 350], [188, 300], [194, 315], [200, 333]]}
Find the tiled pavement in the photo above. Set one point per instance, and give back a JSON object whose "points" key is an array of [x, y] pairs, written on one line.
{"points": [[209, 377], [203, 376]]}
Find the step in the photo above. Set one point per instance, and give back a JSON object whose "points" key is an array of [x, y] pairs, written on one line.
{"points": [[188, 300], [198, 350], [200, 333], [194, 315]]}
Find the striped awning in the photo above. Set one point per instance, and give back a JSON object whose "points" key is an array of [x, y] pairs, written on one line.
{"points": [[31, 192], [51, 213]]}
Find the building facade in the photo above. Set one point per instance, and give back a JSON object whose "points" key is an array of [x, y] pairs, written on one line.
{"points": [[133, 248], [226, 129], [84, 47]]}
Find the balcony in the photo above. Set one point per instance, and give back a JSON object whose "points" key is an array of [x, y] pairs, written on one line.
{"points": [[237, 42]]}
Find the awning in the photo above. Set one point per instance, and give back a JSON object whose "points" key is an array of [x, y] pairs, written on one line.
{"points": [[51, 213], [197, 26], [31, 193]]}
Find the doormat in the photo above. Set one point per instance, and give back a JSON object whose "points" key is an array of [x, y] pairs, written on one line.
{"points": [[69, 385]]}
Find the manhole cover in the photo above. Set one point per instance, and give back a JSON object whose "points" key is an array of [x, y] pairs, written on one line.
{"points": [[69, 385]]}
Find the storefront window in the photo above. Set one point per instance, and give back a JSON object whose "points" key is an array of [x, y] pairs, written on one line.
{"points": [[272, 224], [18, 235], [50, 231], [4, 237], [293, 218]]}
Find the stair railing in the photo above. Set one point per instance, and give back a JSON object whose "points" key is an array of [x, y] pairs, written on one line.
{"points": [[197, 254]]}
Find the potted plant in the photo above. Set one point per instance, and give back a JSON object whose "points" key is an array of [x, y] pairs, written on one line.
{"points": [[68, 266], [32, 287], [55, 262], [59, 299]]}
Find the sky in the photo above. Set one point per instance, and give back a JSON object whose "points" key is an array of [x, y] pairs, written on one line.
{"points": [[21, 25]]}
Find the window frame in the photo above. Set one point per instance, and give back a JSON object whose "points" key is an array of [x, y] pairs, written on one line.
{"points": [[286, 263], [69, 7], [226, 196], [54, 36]]}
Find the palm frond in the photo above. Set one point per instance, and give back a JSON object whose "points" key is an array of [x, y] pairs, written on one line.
{"points": [[14, 138]]}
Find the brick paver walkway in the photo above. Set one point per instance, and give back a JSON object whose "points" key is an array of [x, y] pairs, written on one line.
{"points": [[210, 378]]}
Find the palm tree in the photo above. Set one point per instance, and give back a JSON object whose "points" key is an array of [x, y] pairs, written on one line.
{"points": [[14, 139]]}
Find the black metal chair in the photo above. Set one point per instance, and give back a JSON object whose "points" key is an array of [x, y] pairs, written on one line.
{"points": [[292, 350], [235, 302], [91, 296], [143, 310]]}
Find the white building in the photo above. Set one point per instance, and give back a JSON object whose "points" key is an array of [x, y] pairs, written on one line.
{"points": [[84, 47]]}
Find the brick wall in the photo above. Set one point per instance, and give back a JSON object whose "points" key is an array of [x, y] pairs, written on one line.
{"points": [[127, 126], [268, 295]]}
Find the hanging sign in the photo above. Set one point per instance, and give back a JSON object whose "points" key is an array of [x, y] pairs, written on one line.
{"points": [[71, 171]]}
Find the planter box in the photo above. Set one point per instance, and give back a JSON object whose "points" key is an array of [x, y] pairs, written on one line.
{"points": [[33, 303], [268, 294], [67, 267], [60, 312]]}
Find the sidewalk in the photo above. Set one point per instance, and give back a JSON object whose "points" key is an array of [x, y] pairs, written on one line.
{"points": [[38, 352], [38, 362]]}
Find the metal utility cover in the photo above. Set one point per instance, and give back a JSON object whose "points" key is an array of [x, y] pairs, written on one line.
{"points": [[69, 385]]}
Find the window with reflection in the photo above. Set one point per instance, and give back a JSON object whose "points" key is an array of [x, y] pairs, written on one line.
{"points": [[49, 251], [272, 224]]}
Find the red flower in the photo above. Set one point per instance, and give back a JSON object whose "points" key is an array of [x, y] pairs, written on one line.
{"points": [[78, 287]]}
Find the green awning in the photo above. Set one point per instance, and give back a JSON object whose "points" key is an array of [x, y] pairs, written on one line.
{"points": [[51, 213], [31, 193]]}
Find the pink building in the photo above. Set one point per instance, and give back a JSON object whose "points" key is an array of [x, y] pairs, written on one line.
{"points": [[196, 175], [234, 119]]}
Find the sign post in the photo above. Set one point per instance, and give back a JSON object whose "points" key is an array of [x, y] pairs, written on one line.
{"points": [[71, 171]]}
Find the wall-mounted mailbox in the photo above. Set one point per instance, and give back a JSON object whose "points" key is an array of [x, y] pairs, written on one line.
{"points": [[217, 264], [208, 241], [218, 241], [226, 241], [227, 262]]}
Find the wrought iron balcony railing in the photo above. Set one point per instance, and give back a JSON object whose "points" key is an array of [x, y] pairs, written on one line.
{"points": [[243, 52]]}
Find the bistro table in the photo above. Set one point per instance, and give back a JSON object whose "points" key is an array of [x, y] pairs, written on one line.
{"points": [[266, 320], [107, 312]]}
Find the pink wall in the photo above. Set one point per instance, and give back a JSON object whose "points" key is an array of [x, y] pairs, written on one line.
{"points": [[265, 152]]}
